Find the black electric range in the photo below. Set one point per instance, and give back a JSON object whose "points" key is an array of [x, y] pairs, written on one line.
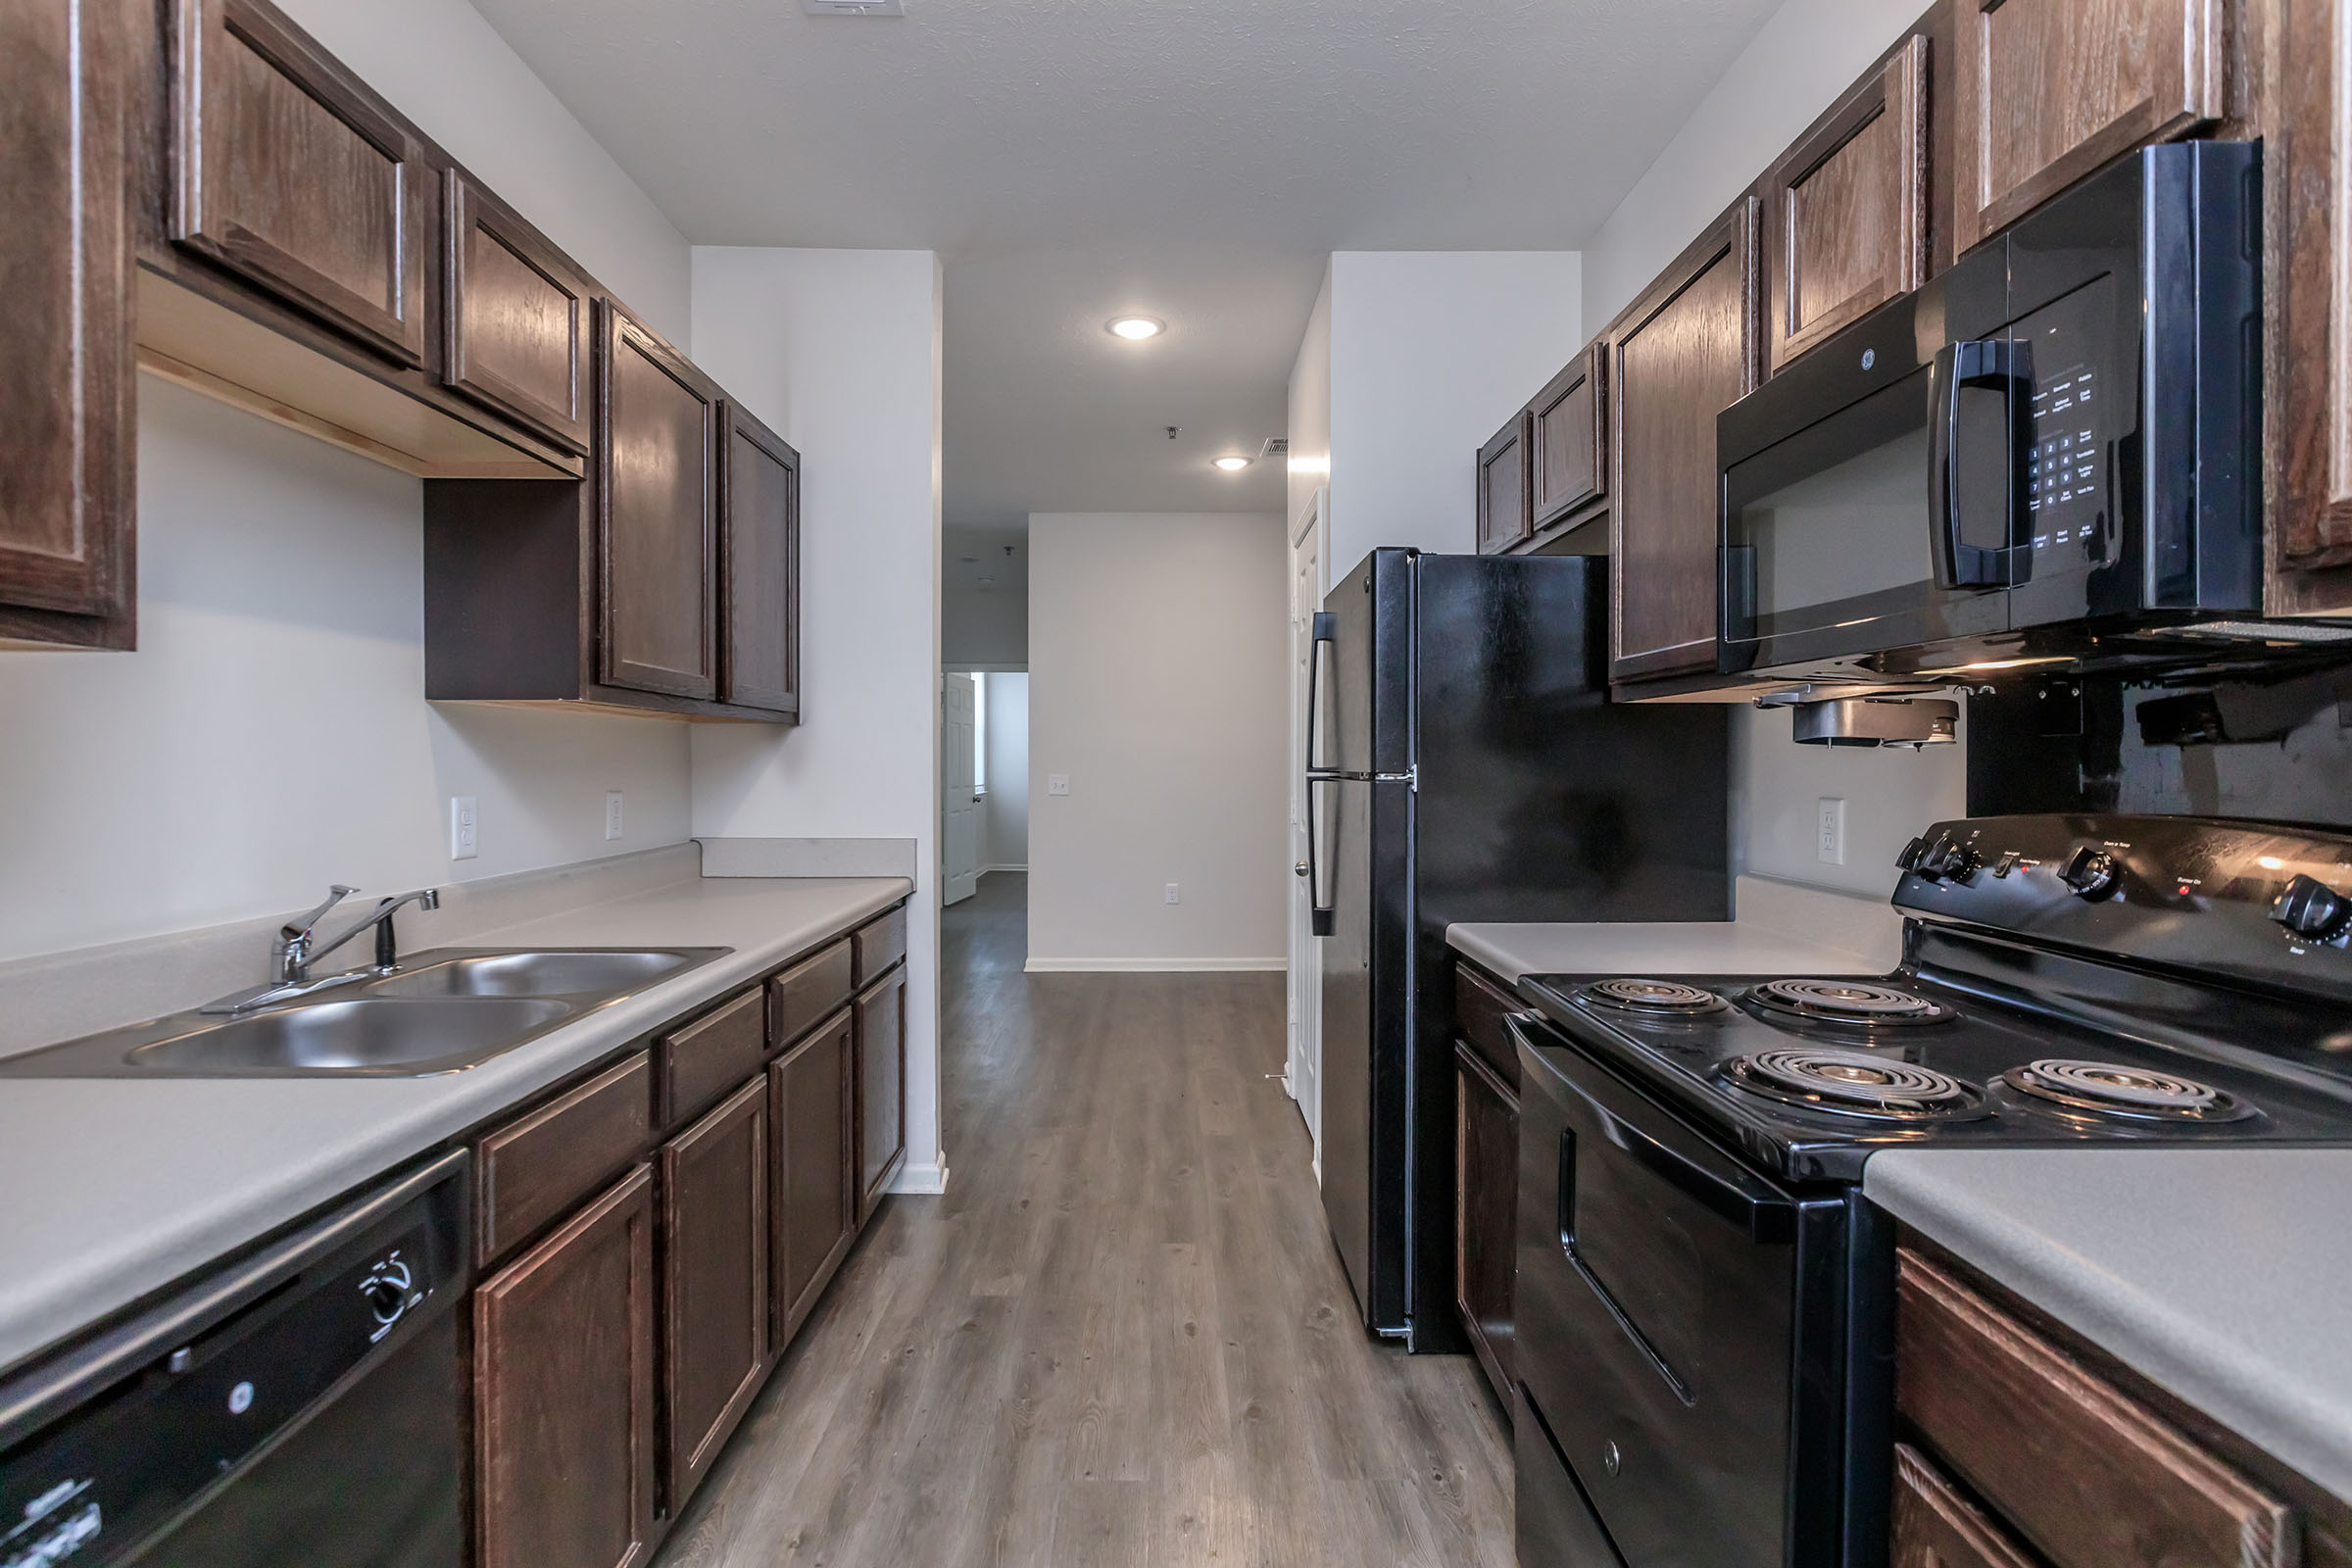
{"points": [[1703, 1297]]}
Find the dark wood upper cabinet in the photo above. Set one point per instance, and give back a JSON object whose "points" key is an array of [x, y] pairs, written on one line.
{"points": [[2308, 177], [1503, 490], [291, 173], [1568, 460], [657, 514], [816, 1203], [714, 1232], [1682, 354], [881, 1090], [759, 567], [563, 1392], [1845, 210], [67, 440], [2046, 91], [518, 317]]}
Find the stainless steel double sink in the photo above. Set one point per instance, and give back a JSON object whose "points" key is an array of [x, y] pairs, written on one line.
{"points": [[441, 1010]]}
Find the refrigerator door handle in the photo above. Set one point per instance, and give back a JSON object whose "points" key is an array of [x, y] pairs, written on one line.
{"points": [[1322, 915], [1326, 632]]}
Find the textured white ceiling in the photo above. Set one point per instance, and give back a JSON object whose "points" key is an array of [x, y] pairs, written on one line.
{"points": [[1193, 159]]}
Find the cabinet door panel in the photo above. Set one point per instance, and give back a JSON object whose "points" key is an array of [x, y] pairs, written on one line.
{"points": [[518, 317], [1681, 356], [2309, 177], [815, 1206], [1502, 488], [294, 175], [67, 449], [714, 1280], [563, 1389], [1845, 211], [1935, 1527], [659, 503], [881, 1090], [2047, 90], [761, 567], [1486, 1211], [1569, 459]]}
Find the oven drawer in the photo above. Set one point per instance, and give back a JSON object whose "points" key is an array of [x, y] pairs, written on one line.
{"points": [[1657, 1325], [1552, 1525]]}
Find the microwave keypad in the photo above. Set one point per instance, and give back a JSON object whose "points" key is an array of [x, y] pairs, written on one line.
{"points": [[2065, 493]]}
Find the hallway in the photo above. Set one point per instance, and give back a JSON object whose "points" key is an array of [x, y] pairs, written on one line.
{"points": [[1122, 1336]]}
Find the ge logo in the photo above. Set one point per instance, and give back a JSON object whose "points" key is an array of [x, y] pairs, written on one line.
{"points": [[1869, 356], [240, 1399]]}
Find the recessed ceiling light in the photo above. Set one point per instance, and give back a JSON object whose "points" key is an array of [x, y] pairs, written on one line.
{"points": [[1231, 465], [1135, 329]]}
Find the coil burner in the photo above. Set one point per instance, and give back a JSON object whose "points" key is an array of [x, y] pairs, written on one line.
{"points": [[1853, 1082], [1651, 998], [2104, 1089], [1854, 1003]]}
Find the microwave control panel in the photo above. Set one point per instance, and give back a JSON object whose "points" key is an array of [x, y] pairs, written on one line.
{"points": [[2068, 517]]}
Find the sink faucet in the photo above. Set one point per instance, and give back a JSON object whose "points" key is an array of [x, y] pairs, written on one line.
{"points": [[298, 946]]}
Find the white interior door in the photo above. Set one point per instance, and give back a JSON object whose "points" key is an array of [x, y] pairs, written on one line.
{"points": [[1302, 1073], [960, 819]]}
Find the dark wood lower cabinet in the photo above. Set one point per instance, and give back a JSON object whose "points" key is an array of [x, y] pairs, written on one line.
{"points": [[714, 1279], [1935, 1527], [563, 1355], [1486, 1161], [881, 1090], [815, 1206]]}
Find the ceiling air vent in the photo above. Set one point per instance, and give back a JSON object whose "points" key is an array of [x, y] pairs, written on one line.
{"points": [[855, 8], [1277, 446]]}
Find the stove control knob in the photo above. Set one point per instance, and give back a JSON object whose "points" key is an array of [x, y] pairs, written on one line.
{"points": [[1908, 859], [1950, 860], [2091, 872], [2309, 908]]}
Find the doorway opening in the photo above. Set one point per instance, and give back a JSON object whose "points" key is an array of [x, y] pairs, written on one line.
{"points": [[983, 779]]}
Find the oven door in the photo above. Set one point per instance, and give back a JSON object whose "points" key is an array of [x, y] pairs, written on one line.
{"points": [[1657, 1301]]}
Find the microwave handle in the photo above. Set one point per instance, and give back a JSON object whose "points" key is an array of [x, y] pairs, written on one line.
{"points": [[1984, 365]]}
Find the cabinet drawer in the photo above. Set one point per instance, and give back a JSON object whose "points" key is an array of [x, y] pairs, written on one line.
{"points": [[809, 993], [880, 943], [711, 1055], [1479, 1007], [534, 1168], [2086, 1475]]}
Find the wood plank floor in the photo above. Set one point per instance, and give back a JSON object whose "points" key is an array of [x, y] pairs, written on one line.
{"points": [[1122, 1336]]}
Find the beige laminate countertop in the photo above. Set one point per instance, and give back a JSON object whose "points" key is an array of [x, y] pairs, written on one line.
{"points": [[118, 1187]]}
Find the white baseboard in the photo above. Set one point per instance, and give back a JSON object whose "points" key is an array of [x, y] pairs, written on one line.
{"points": [[1037, 965], [1023, 867], [920, 1179]]}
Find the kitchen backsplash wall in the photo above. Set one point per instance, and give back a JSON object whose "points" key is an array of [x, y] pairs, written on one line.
{"points": [[1887, 795]]}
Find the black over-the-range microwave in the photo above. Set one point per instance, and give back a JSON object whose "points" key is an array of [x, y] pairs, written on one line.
{"points": [[2048, 454]]}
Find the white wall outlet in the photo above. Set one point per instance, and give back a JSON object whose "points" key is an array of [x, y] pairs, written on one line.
{"points": [[465, 828], [612, 819], [1058, 783], [1829, 842], [1170, 896]]}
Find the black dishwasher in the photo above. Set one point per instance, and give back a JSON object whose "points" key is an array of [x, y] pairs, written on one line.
{"points": [[300, 1407]]}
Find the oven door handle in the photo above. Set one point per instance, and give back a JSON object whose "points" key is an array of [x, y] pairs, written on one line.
{"points": [[1722, 1186], [1988, 365]]}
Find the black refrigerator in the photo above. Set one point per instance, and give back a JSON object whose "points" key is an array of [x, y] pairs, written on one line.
{"points": [[1465, 763]]}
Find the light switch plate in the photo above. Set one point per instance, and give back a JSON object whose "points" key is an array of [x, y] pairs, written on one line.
{"points": [[612, 817], [1058, 783], [465, 828], [1829, 845], [1171, 894]]}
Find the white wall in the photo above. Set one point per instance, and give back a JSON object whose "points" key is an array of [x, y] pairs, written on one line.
{"points": [[271, 735], [1807, 54], [984, 606], [1431, 351], [1166, 709], [1004, 818], [1310, 408], [838, 351]]}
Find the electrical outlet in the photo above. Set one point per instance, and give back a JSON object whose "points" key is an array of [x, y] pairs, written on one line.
{"points": [[1172, 893], [465, 828], [1058, 783], [1828, 844], [613, 804]]}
